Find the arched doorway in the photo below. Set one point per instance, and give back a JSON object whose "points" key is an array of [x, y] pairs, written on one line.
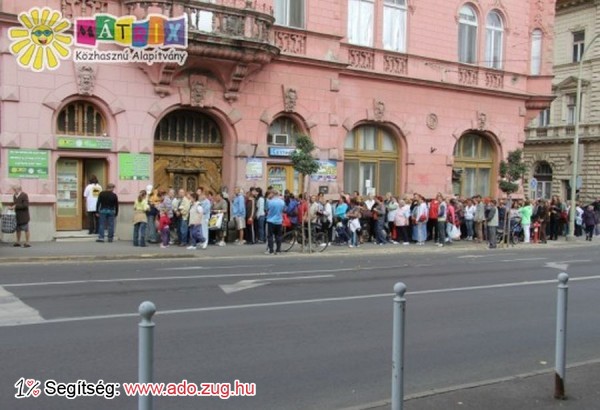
{"points": [[543, 174], [188, 151], [371, 161], [81, 145], [474, 162]]}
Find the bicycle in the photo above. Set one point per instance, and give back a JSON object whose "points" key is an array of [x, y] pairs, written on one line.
{"points": [[290, 238]]}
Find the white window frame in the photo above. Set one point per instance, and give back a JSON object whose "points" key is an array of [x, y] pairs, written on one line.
{"points": [[360, 22], [394, 25], [571, 102], [494, 43], [467, 40], [578, 45], [537, 37], [283, 13]]}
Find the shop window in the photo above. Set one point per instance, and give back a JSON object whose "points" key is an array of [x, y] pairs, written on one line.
{"points": [[82, 119], [187, 126], [473, 164], [370, 161]]}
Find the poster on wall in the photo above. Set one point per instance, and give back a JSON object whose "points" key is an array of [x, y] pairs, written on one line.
{"points": [[254, 169], [23, 163], [134, 166], [327, 172]]}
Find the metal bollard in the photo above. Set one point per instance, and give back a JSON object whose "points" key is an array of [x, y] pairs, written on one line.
{"points": [[561, 336], [398, 347], [146, 351]]}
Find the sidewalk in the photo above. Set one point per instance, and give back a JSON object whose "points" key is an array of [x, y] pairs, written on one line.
{"points": [[524, 392], [124, 250]]}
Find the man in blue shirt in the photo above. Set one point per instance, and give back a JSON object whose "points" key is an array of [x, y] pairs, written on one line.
{"points": [[274, 207], [239, 214]]}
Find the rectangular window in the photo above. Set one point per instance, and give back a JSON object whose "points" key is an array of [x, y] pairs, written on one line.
{"points": [[351, 175], [387, 177], [571, 102], [394, 25], [536, 52], [360, 22], [289, 13], [544, 118], [578, 45]]}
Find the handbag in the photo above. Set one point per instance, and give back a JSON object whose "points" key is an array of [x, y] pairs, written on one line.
{"points": [[9, 221], [287, 223], [215, 222]]}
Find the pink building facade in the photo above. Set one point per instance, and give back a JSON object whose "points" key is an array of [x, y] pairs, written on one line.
{"points": [[397, 95]]}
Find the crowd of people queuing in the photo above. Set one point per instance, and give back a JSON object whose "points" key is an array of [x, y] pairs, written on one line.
{"points": [[191, 219]]}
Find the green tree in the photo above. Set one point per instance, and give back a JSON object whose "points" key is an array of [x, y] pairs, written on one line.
{"points": [[305, 165], [511, 172]]}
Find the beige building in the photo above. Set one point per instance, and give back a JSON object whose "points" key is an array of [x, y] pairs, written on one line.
{"points": [[549, 139]]}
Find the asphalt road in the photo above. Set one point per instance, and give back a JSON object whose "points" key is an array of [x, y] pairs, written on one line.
{"points": [[311, 332]]}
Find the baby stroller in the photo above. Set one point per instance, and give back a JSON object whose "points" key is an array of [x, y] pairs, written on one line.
{"points": [[341, 234]]}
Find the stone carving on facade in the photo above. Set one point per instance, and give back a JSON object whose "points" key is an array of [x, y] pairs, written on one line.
{"points": [[198, 90], [467, 76], [494, 80], [378, 110], [85, 79], [81, 8], [432, 121], [481, 121], [235, 81], [361, 59], [394, 64], [290, 42], [290, 97]]}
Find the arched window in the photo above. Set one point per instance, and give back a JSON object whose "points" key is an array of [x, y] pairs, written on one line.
{"points": [[467, 35], [370, 161], [394, 25], [473, 164], [494, 37], [283, 131], [188, 126], [81, 118], [543, 173], [536, 52]]}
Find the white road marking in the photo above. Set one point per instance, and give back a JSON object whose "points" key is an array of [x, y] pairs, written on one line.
{"points": [[216, 267], [523, 259], [254, 283], [14, 312], [559, 266], [192, 277], [308, 301]]}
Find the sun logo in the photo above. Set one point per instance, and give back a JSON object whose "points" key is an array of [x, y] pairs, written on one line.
{"points": [[41, 42]]}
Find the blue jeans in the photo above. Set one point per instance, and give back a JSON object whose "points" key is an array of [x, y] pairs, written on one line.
{"points": [[469, 223], [139, 234], [107, 218], [380, 231], [196, 235], [151, 234], [183, 231], [260, 227]]}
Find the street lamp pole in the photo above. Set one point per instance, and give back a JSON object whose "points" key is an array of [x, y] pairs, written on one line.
{"points": [[575, 155]]}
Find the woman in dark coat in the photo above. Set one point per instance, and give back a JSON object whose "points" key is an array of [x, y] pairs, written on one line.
{"points": [[589, 220], [21, 208]]}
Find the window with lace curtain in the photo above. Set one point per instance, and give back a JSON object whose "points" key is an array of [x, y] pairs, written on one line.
{"points": [[494, 40], [467, 35], [360, 22], [394, 25]]}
